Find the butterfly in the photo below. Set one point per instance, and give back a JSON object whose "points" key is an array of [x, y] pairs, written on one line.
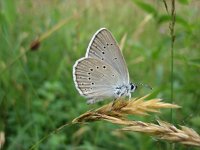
{"points": [[103, 72]]}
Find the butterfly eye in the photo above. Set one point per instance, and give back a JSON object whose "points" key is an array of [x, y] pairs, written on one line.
{"points": [[104, 67], [103, 52], [133, 87], [91, 69]]}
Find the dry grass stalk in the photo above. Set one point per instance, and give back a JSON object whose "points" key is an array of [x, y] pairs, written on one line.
{"points": [[2, 139], [117, 114], [121, 108], [162, 130], [166, 131]]}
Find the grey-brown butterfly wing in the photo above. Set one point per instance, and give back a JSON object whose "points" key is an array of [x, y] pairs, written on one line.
{"points": [[103, 46], [95, 79]]}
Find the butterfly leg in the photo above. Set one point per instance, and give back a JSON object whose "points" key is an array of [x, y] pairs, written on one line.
{"points": [[129, 96], [91, 101], [113, 103]]}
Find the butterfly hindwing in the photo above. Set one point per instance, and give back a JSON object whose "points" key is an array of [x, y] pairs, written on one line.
{"points": [[95, 79]]}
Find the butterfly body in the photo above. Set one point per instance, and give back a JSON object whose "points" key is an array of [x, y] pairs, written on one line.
{"points": [[125, 90], [102, 73]]}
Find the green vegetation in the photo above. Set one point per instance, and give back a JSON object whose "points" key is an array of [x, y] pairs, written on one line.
{"points": [[37, 92]]}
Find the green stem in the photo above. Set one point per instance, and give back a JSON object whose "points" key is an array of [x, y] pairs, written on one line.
{"points": [[172, 34], [171, 27]]}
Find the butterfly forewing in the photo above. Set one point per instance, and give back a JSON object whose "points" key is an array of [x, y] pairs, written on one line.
{"points": [[95, 79], [103, 46]]}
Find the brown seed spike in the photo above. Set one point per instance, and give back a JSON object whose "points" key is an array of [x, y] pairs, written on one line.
{"points": [[35, 45]]}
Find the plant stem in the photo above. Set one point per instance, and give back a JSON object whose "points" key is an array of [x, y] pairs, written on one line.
{"points": [[172, 34]]}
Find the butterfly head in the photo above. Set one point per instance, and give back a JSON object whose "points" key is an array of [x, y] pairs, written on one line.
{"points": [[133, 87]]}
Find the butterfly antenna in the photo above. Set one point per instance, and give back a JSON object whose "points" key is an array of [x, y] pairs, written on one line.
{"points": [[144, 85]]}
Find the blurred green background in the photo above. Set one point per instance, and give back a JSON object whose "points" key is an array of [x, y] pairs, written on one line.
{"points": [[37, 93]]}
